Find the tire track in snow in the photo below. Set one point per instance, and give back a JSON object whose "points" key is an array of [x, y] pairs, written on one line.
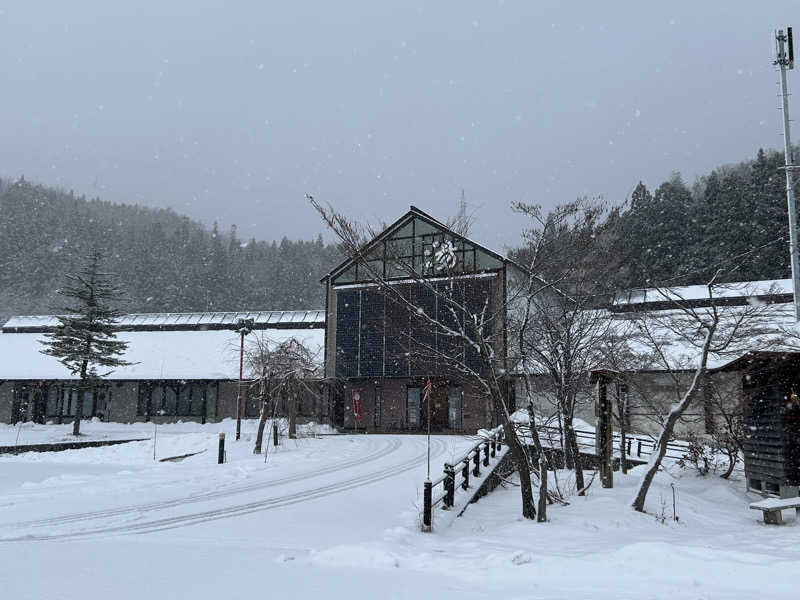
{"points": [[389, 448], [247, 508]]}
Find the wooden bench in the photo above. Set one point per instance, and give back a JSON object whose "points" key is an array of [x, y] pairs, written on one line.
{"points": [[772, 507]]}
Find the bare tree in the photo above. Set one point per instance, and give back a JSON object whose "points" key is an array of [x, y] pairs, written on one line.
{"points": [[727, 430], [467, 329], [564, 326], [684, 337], [283, 370]]}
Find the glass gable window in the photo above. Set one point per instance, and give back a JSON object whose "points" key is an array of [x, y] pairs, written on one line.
{"points": [[418, 248]]}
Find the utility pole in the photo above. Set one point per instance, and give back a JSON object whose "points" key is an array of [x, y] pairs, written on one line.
{"points": [[785, 60], [243, 326]]}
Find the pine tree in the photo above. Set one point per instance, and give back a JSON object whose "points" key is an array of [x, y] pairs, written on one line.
{"points": [[84, 338]]}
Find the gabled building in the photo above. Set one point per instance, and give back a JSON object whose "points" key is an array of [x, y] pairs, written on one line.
{"points": [[396, 317]]}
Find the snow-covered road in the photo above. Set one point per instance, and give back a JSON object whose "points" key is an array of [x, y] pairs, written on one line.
{"points": [[337, 517], [58, 500], [114, 515]]}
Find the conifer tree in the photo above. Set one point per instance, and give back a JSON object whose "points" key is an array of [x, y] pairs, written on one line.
{"points": [[84, 339]]}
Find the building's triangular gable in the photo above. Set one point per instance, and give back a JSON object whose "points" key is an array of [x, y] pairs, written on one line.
{"points": [[416, 245]]}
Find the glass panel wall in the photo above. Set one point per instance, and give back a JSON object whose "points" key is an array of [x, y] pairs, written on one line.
{"points": [[377, 334]]}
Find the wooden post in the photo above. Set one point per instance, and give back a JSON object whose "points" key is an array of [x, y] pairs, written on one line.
{"points": [[476, 460], [486, 454], [493, 448], [274, 433], [465, 475], [449, 486], [604, 436], [639, 448], [221, 455], [427, 513]]}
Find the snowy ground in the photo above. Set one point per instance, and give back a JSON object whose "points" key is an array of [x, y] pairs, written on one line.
{"points": [[336, 517]]}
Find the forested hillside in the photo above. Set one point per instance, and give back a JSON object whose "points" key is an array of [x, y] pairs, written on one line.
{"points": [[674, 234], [736, 216], [165, 261]]}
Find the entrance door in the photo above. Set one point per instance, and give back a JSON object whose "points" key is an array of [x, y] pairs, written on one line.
{"points": [[338, 404], [454, 420], [438, 407]]}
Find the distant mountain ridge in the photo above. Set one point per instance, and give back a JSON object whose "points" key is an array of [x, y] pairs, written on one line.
{"points": [[165, 261], [734, 218]]}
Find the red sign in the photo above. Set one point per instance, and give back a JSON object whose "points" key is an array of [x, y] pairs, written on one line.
{"points": [[357, 403]]}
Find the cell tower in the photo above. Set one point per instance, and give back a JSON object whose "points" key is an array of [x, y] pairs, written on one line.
{"points": [[785, 60]]}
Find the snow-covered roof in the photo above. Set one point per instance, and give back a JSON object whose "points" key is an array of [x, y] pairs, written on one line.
{"points": [[185, 321], [210, 354], [774, 290], [772, 329]]}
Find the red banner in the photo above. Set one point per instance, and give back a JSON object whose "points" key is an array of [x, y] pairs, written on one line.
{"points": [[357, 403]]}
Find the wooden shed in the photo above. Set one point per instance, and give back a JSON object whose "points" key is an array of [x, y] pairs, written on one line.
{"points": [[771, 419]]}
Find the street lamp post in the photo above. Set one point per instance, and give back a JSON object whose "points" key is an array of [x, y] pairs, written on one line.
{"points": [[243, 327]]}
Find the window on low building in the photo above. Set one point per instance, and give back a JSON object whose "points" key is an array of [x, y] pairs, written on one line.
{"points": [[177, 399]]}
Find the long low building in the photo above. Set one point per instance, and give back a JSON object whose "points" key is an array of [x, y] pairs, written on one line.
{"points": [[183, 366]]}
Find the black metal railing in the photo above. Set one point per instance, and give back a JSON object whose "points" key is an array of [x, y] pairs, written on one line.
{"points": [[457, 474]]}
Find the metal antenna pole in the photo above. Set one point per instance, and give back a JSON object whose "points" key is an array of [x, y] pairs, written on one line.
{"points": [[785, 62]]}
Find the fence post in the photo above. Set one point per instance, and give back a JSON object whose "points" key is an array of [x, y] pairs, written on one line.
{"points": [[465, 475], [449, 486], [639, 448], [274, 434], [476, 459], [486, 454], [221, 455], [629, 447], [427, 510], [493, 448]]}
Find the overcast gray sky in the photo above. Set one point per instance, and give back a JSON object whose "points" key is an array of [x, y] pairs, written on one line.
{"points": [[232, 111]]}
